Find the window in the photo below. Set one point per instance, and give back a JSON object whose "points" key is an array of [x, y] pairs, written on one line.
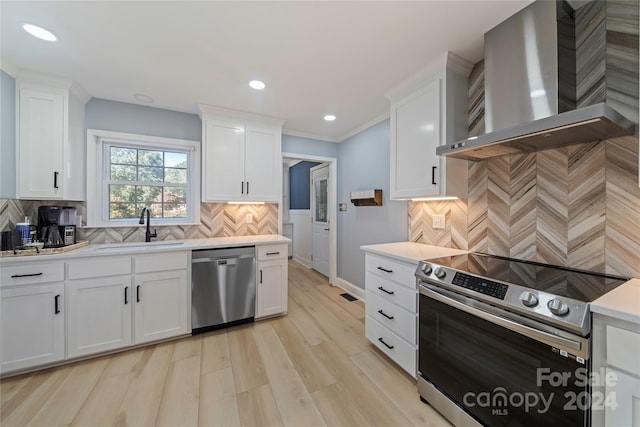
{"points": [[137, 171]]}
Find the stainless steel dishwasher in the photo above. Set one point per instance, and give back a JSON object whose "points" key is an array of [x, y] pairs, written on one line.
{"points": [[223, 287]]}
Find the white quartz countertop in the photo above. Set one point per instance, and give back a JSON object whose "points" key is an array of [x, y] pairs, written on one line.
{"points": [[94, 250], [622, 303], [410, 251]]}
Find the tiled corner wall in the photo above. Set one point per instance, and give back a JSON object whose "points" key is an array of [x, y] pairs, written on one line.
{"points": [[577, 206], [216, 220]]}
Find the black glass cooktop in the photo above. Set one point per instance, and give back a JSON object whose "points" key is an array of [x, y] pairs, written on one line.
{"points": [[580, 285]]}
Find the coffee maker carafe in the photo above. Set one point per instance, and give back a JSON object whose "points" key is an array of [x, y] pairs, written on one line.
{"points": [[48, 226]]}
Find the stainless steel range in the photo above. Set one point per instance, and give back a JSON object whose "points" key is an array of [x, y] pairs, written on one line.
{"points": [[506, 342]]}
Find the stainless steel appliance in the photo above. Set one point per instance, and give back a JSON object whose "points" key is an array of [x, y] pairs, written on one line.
{"points": [[506, 342], [223, 288]]}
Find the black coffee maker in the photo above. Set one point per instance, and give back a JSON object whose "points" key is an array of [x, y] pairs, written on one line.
{"points": [[48, 226]]}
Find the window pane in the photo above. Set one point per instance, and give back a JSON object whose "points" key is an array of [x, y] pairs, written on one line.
{"points": [[148, 194], [156, 210], [174, 195], [176, 176], [122, 193], [175, 210], [148, 174], [122, 210], [123, 156], [175, 160], [150, 158], [123, 173]]}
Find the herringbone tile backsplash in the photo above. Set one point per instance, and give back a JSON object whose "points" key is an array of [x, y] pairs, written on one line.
{"points": [[577, 206], [216, 220]]}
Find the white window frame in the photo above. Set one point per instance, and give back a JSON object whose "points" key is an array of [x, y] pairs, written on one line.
{"points": [[97, 165]]}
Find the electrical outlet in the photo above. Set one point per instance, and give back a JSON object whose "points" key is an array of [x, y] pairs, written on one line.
{"points": [[438, 222], [249, 219]]}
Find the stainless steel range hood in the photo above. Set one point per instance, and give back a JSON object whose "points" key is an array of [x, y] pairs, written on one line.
{"points": [[531, 91], [592, 123]]}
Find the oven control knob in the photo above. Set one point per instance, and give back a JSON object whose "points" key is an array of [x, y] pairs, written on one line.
{"points": [[426, 269], [558, 307], [529, 299], [440, 273]]}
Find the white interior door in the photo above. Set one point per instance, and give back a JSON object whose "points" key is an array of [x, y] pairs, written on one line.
{"points": [[320, 218]]}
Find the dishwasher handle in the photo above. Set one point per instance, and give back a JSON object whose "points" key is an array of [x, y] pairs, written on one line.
{"points": [[230, 262]]}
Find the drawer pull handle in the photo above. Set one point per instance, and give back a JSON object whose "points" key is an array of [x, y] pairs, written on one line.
{"points": [[385, 291], [26, 275], [273, 253], [385, 270], [433, 175], [260, 275], [56, 301], [126, 295], [390, 347], [55, 180], [138, 293], [385, 315]]}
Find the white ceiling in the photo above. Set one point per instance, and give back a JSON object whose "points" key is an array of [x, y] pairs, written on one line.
{"points": [[315, 57]]}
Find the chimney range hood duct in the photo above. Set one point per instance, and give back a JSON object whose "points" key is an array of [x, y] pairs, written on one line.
{"points": [[531, 90]]}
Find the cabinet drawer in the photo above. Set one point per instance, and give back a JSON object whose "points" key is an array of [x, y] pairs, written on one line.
{"points": [[161, 262], [99, 267], [272, 252], [401, 352], [32, 273], [399, 272], [393, 317], [391, 291], [623, 348]]}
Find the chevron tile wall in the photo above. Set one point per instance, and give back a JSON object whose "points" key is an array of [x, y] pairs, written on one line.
{"points": [[577, 206], [216, 220]]}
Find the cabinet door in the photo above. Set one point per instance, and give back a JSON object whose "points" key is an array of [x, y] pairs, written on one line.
{"points": [[40, 144], [32, 327], [415, 134], [271, 292], [261, 165], [99, 314], [626, 394], [223, 162], [160, 305]]}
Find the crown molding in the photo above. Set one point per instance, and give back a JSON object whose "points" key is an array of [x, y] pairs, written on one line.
{"points": [[364, 126], [214, 110], [309, 136]]}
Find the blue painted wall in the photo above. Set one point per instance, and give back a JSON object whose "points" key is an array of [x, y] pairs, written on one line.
{"points": [[308, 146], [8, 136], [142, 120], [299, 192], [363, 164]]}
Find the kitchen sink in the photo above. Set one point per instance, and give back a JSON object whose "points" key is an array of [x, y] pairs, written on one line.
{"points": [[117, 247]]}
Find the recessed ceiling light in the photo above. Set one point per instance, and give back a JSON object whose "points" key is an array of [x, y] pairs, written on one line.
{"points": [[257, 84], [143, 98], [329, 117], [39, 32]]}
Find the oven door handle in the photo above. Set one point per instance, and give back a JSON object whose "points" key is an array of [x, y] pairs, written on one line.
{"points": [[545, 337]]}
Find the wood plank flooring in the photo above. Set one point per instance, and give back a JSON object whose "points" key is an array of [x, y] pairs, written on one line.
{"points": [[311, 367]]}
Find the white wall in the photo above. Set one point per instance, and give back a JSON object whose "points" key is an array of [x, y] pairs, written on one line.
{"points": [[301, 219]]}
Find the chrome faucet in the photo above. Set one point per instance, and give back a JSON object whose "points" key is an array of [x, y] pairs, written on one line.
{"points": [[148, 235]]}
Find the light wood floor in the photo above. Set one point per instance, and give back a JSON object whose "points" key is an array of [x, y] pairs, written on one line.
{"points": [[312, 367]]}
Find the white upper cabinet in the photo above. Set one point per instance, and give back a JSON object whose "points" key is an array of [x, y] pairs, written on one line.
{"points": [[429, 110], [50, 138], [241, 156]]}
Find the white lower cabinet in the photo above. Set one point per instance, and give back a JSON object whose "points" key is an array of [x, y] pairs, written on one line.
{"points": [[160, 301], [113, 304], [391, 319], [272, 286], [616, 365], [32, 330], [99, 317]]}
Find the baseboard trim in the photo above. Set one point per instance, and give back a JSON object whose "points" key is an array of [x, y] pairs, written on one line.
{"points": [[354, 290], [305, 263]]}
